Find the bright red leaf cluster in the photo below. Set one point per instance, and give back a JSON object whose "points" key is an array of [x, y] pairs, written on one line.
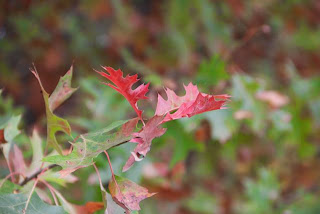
{"points": [[175, 107]]}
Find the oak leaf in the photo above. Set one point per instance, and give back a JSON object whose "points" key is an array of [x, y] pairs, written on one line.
{"points": [[124, 86], [90, 145], [55, 123], [193, 103], [62, 91], [127, 193], [144, 138]]}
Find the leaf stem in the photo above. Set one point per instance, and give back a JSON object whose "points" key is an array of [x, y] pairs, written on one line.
{"points": [[113, 177], [98, 173], [29, 198], [10, 170], [52, 190]]}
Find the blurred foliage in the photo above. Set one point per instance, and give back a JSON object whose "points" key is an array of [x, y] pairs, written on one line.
{"points": [[261, 155]]}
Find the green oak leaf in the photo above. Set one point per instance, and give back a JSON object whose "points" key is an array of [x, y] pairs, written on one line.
{"points": [[90, 145], [15, 203], [130, 193], [62, 91], [7, 187], [60, 94]]}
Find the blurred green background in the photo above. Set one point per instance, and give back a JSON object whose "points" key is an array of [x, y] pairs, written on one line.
{"points": [[261, 155]]}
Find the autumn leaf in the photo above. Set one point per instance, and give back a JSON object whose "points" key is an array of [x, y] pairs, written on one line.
{"points": [[91, 145], [173, 101], [55, 123], [127, 193], [144, 138], [124, 86], [16, 160], [89, 208], [113, 207], [62, 91], [193, 103]]}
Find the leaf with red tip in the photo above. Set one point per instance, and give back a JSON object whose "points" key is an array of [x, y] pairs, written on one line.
{"points": [[124, 86], [193, 103], [144, 138], [127, 193], [54, 123]]}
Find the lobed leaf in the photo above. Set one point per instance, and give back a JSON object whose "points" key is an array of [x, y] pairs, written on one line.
{"points": [[92, 144], [128, 194], [55, 123], [193, 103], [144, 138], [124, 86], [112, 206], [62, 91]]}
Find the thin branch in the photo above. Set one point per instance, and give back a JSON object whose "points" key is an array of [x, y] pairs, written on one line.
{"points": [[36, 174]]}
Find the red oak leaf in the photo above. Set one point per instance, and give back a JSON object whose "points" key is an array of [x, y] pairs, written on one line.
{"points": [[124, 86], [194, 102], [174, 102], [127, 194], [150, 131]]}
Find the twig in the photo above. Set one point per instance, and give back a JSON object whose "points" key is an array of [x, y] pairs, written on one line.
{"points": [[36, 174]]}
